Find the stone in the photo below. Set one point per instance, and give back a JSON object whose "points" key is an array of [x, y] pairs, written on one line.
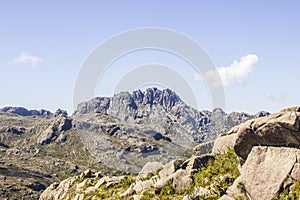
{"points": [[296, 172], [59, 112], [186, 197], [226, 197], [130, 191], [36, 186], [143, 185], [181, 179], [195, 162], [86, 174], [47, 136], [224, 142], [137, 197], [65, 123], [203, 148], [58, 125], [198, 193], [61, 138], [166, 109], [150, 167], [58, 192], [233, 190], [161, 183], [24, 112], [170, 168], [279, 129], [265, 170]]}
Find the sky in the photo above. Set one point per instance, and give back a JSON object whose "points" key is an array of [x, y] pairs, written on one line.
{"points": [[254, 45]]}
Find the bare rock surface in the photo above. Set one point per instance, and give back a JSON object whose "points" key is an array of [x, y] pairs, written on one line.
{"points": [[279, 129], [266, 169], [268, 152]]}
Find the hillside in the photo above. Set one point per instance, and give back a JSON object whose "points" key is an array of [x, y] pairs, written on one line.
{"points": [[116, 135], [155, 125], [257, 160]]}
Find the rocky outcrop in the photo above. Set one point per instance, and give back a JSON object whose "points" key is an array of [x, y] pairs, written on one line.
{"points": [[268, 152], [41, 113], [177, 174], [266, 170], [55, 131], [80, 185], [203, 148], [165, 111], [266, 166], [279, 129]]}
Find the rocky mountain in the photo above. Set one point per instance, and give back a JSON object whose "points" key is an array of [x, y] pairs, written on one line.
{"points": [[258, 159], [116, 135], [24, 112], [37, 151], [128, 130], [163, 109]]}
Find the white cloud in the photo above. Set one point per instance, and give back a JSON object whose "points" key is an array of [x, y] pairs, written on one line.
{"points": [[237, 72], [281, 98], [26, 58]]}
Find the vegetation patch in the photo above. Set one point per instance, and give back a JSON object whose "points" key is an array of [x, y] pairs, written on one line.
{"points": [[290, 194], [218, 175]]}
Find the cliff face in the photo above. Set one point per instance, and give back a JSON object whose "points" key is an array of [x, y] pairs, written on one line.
{"points": [[258, 159], [128, 130], [164, 108]]}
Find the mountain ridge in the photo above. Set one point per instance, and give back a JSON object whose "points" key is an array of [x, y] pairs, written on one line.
{"points": [[165, 105], [116, 135]]}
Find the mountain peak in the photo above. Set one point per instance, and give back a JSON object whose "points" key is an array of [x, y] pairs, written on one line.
{"points": [[128, 103]]}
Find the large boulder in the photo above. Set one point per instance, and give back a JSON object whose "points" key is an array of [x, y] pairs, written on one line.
{"points": [[224, 142], [266, 168], [203, 148], [280, 129], [150, 168], [268, 152]]}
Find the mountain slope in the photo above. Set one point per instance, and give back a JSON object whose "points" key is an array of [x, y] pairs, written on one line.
{"points": [[114, 135], [161, 108], [258, 159], [128, 130], [28, 166]]}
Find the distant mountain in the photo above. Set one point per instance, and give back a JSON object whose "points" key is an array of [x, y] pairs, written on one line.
{"points": [[130, 129], [24, 112], [115, 135], [164, 110]]}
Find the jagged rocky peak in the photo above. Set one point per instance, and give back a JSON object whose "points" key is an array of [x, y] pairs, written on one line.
{"points": [[166, 98], [125, 101]]}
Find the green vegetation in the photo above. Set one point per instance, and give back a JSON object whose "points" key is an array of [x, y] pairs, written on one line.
{"points": [[110, 192], [218, 175], [294, 194]]}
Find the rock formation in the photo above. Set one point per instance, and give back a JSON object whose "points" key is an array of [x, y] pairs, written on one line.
{"points": [[268, 152], [266, 166], [163, 108], [24, 112]]}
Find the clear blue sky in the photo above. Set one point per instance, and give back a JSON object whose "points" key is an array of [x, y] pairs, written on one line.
{"points": [[56, 37]]}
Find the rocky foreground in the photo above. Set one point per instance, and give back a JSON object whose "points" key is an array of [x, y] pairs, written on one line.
{"points": [[258, 160]]}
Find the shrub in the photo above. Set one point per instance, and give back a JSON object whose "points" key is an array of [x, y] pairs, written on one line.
{"points": [[219, 174]]}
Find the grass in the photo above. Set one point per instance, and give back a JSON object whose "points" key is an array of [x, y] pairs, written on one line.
{"points": [[218, 175], [290, 195]]}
